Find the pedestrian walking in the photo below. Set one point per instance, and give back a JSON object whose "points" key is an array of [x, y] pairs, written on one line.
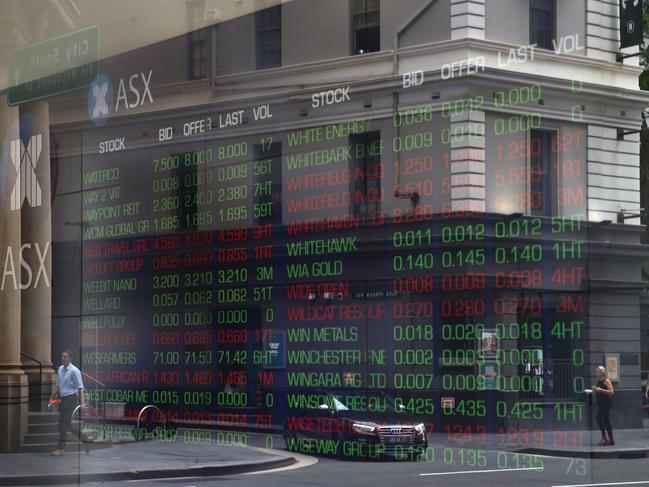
{"points": [[69, 389], [604, 398]]}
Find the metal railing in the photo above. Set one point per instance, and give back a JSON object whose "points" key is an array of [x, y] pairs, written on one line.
{"points": [[100, 403], [88, 376], [563, 374], [556, 382], [139, 417], [40, 377]]}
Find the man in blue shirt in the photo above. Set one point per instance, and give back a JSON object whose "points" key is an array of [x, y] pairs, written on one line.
{"points": [[69, 388]]}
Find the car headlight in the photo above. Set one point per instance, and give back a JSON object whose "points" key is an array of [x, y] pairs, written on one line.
{"points": [[364, 429], [420, 429]]}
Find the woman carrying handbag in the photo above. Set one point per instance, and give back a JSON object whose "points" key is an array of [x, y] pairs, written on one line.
{"points": [[603, 392]]}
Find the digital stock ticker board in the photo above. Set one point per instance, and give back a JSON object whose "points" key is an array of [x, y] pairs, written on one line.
{"points": [[341, 242], [249, 268]]}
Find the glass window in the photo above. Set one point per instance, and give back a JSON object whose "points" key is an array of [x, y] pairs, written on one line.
{"points": [[543, 164], [268, 25], [542, 23], [367, 184], [198, 41], [199, 54], [366, 28]]}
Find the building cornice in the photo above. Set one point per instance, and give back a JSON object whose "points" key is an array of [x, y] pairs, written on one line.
{"points": [[373, 72]]}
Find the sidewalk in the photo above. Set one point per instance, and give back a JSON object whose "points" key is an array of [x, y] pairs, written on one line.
{"points": [[630, 443], [132, 461], [154, 459]]}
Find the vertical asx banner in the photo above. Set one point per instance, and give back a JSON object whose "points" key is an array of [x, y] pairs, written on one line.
{"points": [[631, 25]]}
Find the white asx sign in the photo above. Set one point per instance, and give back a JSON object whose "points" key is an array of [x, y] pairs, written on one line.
{"points": [[132, 92], [25, 159], [17, 272]]}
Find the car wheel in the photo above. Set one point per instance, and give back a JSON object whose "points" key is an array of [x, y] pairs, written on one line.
{"points": [[339, 453]]}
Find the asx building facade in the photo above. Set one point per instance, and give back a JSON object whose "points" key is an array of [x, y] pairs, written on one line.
{"points": [[424, 207]]}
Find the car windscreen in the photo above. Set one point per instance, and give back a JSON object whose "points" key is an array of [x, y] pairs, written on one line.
{"points": [[364, 401]]}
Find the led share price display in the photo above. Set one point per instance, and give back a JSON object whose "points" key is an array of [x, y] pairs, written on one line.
{"points": [[230, 276]]}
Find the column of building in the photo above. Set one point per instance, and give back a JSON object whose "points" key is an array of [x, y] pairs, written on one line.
{"points": [[467, 134], [13, 381], [467, 19], [36, 238]]}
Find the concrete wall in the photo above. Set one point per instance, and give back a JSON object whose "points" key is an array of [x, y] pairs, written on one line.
{"points": [[433, 25], [235, 46], [614, 327], [509, 21], [613, 173], [603, 24], [571, 19], [468, 19], [500, 27], [314, 30]]}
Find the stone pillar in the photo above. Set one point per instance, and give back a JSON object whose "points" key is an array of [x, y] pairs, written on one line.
{"points": [[467, 19], [36, 239], [13, 382], [603, 33], [613, 174], [468, 162]]}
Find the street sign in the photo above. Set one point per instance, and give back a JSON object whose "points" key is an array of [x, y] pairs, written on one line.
{"points": [[275, 350], [54, 66], [631, 27]]}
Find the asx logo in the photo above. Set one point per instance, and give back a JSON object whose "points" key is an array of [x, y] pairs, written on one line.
{"points": [[132, 92], [136, 83], [100, 99], [25, 159], [18, 272]]}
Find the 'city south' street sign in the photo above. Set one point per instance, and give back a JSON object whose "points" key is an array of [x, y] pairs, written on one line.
{"points": [[54, 66]]}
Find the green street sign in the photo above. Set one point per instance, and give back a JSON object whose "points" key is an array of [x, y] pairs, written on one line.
{"points": [[61, 64]]}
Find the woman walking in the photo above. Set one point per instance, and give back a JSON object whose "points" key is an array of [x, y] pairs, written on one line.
{"points": [[604, 398]]}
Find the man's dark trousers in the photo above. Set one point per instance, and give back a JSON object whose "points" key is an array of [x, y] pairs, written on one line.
{"points": [[66, 408]]}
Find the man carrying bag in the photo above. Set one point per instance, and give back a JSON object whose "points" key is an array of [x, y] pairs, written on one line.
{"points": [[69, 388]]}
